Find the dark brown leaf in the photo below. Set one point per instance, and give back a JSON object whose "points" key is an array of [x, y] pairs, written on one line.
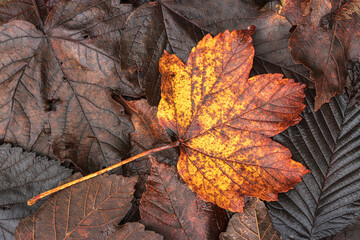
{"points": [[23, 175], [253, 224], [324, 43], [328, 143], [170, 208], [133, 231], [148, 134], [22, 10], [272, 54], [57, 84], [148, 31], [88, 209]]}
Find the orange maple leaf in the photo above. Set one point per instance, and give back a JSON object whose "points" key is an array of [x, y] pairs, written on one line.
{"points": [[224, 120]]}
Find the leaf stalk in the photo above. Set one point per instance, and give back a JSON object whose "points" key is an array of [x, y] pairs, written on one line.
{"points": [[112, 167]]}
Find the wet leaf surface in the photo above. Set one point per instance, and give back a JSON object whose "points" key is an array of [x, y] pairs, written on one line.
{"points": [[23, 174], [223, 120]]}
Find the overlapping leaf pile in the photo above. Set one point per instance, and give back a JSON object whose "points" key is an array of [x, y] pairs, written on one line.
{"points": [[84, 83]]}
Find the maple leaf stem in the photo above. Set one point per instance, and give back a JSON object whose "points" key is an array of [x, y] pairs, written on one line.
{"points": [[37, 12], [112, 167]]}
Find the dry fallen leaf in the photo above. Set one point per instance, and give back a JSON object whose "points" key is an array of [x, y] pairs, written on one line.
{"points": [[91, 208], [23, 174], [170, 208], [56, 84], [253, 224], [223, 120], [325, 40], [148, 134]]}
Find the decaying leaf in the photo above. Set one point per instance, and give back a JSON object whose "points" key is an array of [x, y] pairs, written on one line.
{"points": [[170, 208], [324, 40], [223, 120], [56, 84], [328, 143], [253, 224], [23, 174], [88, 209], [133, 231]]}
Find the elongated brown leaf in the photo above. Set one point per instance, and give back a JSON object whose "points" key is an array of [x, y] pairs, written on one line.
{"points": [[253, 224], [328, 143], [57, 83], [89, 209], [170, 208]]}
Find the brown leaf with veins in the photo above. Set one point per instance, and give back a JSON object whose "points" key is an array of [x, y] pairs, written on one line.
{"points": [[253, 224], [149, 30], [23, 10], [88, 209], [223, 120], [148, 134], [325, 40], [170, 208], [57, 84]]}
